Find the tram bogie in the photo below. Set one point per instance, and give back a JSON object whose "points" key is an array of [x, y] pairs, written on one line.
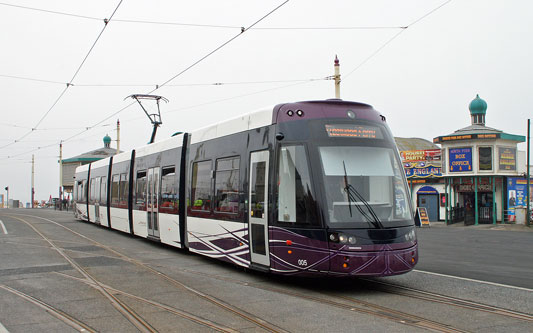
{"points": [[302, 188]]}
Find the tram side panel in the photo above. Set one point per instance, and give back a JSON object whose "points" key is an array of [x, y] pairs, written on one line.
{"points": [[82, 175], [97, 194], [155, 201], [217, 194], [119, 193]]}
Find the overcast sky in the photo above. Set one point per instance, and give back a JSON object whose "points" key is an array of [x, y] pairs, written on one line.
{"points": [[422, 77]]}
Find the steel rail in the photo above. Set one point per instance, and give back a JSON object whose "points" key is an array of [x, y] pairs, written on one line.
{"points": [[125, 310], [184, 314], [449, 300], [226, 306], [64, 317]]}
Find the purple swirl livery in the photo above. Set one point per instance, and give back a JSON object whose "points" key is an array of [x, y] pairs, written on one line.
{"points": [[320, 257]]}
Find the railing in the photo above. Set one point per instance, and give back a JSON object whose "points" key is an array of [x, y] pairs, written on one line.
{"points": [[485, 215], [457, 215]]}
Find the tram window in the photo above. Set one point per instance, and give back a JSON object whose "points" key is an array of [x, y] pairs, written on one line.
{"points": [[123, 189], [83, 191], [91, 190], [140, 190], [201, 186], [114, 189], [227, 185], [169, 191], [103, 190], [296, 203], [257, 204]]}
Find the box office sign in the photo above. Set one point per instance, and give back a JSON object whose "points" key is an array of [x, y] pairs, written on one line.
{"points": [[507, 158], [460, 159]]}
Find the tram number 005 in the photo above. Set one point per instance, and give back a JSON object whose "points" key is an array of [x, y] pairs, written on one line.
{"points": [[302, 262]]}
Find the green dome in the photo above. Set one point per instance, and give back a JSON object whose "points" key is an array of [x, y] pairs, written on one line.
{"points": [[107, 140], [478, 106]]}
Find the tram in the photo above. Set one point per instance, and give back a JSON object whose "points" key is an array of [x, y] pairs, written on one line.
{"points": [[305, 188]]}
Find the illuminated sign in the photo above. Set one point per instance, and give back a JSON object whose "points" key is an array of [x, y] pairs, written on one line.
{"points": [[353, 131], [465, 137], [460, 159], [420, 155], [507, 158], [423, 172]]}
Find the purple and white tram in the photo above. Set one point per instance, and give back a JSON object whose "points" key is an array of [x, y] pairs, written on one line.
{"points": [[311, 187]]}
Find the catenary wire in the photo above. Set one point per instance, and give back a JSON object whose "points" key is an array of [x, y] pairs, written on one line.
{"points": [[205, 25], [68, 84], [394, 37], [188, 68]]}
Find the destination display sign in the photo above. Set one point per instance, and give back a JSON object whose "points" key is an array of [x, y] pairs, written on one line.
{"points": [[353, 131], [465, 137], [507, 158], [460, 159]]}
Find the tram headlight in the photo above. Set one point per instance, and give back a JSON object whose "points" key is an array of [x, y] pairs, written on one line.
{"points": [[413, 235], [352, 240], [334, 238], [343, 239]]}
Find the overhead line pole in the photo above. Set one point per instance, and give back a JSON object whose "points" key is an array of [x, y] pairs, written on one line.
{"points": [[528, 216]]}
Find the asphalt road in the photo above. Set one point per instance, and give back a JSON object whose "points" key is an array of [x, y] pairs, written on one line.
{"points": [[173, 290], [483, 253]]}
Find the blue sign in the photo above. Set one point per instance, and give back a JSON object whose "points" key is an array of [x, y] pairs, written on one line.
{"points": [[422, 172], [460, 159]]}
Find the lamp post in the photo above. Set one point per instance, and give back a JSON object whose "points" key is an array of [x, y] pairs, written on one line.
{"points": [[528, 216], [7, 202]]}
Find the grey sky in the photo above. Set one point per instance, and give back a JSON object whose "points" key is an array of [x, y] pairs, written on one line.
{"points": [[423, 80]]}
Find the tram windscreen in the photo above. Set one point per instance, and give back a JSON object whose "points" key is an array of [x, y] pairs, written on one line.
{"points": [[364, 186]]}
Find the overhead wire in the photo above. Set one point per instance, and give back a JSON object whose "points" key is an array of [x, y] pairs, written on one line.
{"points": [[394, 37], [189, 67], [205, 25], [106, 21]]}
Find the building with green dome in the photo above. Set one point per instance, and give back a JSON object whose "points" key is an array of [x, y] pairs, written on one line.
{"points": [[70, 164], [482, 171]]}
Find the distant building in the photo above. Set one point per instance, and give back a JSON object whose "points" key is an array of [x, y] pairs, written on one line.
{"points": [[483, 171], [70, 164], [422, 163]]}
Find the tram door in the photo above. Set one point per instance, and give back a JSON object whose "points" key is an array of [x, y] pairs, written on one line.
{"points": [[152, 195], [258, 208]]}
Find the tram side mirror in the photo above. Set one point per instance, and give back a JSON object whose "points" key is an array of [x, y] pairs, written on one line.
{"points": [[279, 136]]}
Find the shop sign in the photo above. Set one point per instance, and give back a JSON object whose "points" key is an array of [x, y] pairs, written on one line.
{"points": [[507, 158], [517, 194], [460, 159], [472, 188], [422, 172], [420, 155], [465, 137]]}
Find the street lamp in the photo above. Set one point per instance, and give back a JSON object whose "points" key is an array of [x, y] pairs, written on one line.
{"points": [[7, 202]]}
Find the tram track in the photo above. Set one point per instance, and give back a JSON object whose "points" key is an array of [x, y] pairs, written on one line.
{"points": [[64, 317], [448, 300], [347, 303], [120, 306], [259, 322]]}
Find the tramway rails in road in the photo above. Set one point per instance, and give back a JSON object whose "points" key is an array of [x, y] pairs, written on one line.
{"points": [[302, 188]]}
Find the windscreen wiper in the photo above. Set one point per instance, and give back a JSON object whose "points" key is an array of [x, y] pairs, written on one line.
{"points": [[351, 191]]}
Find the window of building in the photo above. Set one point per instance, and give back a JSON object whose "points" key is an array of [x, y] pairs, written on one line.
{"points": [[201, 186], [115, 190], [169, 191], [227, 185], [485, 158]]}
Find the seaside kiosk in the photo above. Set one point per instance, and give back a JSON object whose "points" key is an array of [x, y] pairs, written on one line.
{"points": [[480, 166]]}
